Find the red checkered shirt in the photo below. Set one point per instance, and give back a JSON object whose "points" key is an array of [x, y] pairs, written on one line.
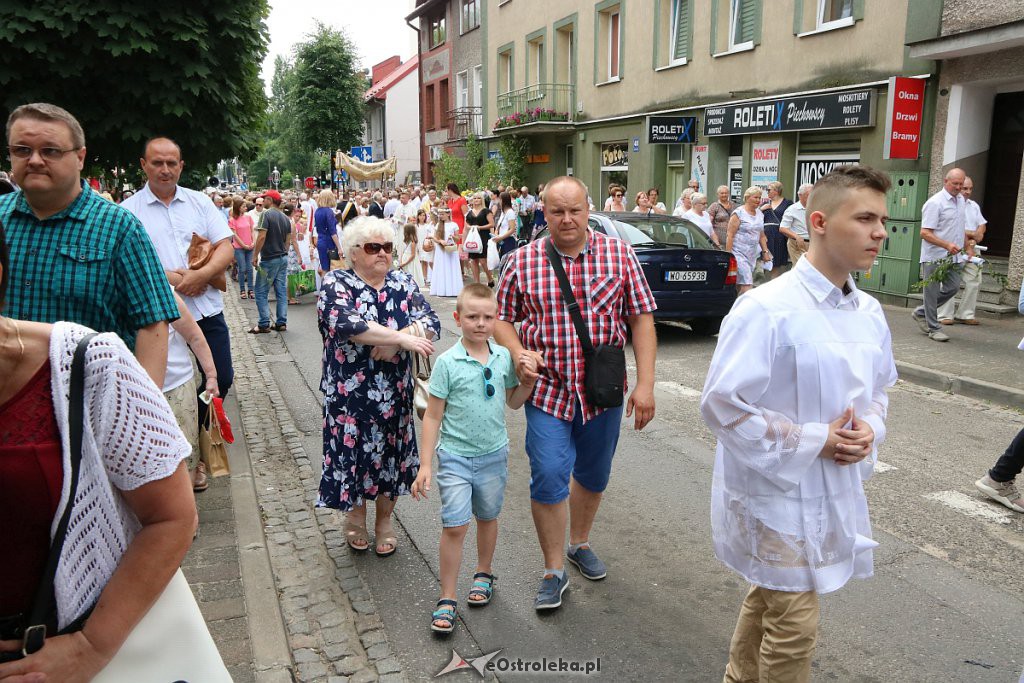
{"points": [[609, 286]]}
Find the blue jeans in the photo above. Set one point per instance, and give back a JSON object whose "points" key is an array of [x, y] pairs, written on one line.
{"points": [[471, 486], [215, 330], [274, 271], [243, 257]]}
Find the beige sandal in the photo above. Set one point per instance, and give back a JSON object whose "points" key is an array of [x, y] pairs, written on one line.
{"points": [[356, 534], [388, 538]]}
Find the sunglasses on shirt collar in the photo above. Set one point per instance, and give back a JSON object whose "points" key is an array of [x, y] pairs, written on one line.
{"points": [[373, 248]]}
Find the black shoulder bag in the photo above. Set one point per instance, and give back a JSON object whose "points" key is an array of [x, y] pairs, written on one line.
{"points": [[32, 631], [604, 366]]}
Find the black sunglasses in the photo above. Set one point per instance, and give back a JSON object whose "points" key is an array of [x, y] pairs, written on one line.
{"points": [[373, 248]]}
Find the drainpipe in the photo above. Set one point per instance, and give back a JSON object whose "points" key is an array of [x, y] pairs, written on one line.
{"points": [[424, 155]]}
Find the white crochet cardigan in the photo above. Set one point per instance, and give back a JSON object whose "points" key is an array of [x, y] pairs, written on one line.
{"points": [[130, 437]]}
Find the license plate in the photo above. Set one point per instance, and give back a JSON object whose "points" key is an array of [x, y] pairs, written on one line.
{"points": [[686, 276]]}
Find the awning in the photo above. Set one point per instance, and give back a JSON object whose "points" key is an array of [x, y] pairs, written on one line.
{"points": [[979, 41], [359, 170]]}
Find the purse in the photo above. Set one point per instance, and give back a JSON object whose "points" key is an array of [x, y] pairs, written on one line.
{"points": [[604, 366], [337, 262], [421, 384], [200, 251]]}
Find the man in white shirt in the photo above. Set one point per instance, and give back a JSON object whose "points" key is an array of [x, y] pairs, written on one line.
{"points": [[170, 214], [406, 211], [416, 200], [942, 231], [391, 205], [794, 225], [971, 274], [309, 206], [257, 211], [526, 204], [796, 395]]}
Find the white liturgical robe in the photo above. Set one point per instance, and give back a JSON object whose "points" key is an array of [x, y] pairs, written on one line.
{"points": [[792, 356]]}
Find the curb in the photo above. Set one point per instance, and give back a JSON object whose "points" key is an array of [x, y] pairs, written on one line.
{"points": [[963, 386]]}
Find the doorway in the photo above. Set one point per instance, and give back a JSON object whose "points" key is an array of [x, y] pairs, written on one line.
{"points": [[1002, 178]]}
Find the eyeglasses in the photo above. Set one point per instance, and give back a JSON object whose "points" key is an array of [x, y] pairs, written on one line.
{"points": [[489, 390], [617, 194], [373, 248], [45, 153]]}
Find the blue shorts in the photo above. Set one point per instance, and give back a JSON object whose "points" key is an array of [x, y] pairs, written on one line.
{"points": [[471, 486], [559, 447]]}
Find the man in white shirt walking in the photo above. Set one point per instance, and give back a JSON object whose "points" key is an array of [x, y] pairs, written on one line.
{"points": [[796, 395], [392, 204], [942, 231], [794, 225], [975, 232]]}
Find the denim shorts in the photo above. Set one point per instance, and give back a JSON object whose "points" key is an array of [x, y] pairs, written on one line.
{"points": [[471, 486], [558, 447]]}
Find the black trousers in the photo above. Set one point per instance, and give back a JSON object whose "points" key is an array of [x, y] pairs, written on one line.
{"points": [[1011, 462], [215, 329]]}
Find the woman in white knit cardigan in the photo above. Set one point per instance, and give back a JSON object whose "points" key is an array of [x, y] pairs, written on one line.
{"points": [[134, 514]]}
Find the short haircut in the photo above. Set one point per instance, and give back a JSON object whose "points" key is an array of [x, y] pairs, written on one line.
{"points": [[751, 191], [697, 197], [474, 290], [42, 111], [567, 179], [804, 189], [831, 189], [363, 229], [159, 138]]}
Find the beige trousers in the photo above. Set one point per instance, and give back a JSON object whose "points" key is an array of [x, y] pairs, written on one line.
{"points": [[971, 277], [185, 406], [774, 639], [796, 249]]}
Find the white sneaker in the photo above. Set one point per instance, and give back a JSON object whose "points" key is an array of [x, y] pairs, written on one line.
{"points": [[938, 335], [1004, 492]]}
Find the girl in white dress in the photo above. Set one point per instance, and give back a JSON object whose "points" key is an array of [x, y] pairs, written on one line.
{"points": [[424, 233], [408, 254], [447, 277]]}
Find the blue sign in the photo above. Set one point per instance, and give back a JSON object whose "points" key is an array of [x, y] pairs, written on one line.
{"points": [[493, 154], [671, 130], [636, 144], [364, 154]]}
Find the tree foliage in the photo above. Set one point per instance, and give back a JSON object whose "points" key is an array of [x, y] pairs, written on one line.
{"points": [[475, 170], [130, 71]]}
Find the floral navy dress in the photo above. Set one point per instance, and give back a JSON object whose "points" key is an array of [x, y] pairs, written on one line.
{"points": [[369, 433]]}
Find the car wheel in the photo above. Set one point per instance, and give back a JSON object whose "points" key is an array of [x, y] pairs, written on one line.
{"points": [[705, 326]]}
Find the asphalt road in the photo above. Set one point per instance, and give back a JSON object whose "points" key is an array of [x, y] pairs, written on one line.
{"points": [[945, 603]]}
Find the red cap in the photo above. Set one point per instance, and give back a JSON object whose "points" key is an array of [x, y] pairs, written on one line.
{"points": [[272, 194]]}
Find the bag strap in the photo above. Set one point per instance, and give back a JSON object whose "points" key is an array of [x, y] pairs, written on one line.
{"points": [[570, 299], [44, 607]]}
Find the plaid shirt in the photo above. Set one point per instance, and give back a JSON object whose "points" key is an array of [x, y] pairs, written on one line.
{"points": [[609, 286], [91, 263]]}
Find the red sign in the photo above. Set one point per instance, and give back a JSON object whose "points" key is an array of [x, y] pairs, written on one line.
{"points": [[903, 116], [310, 183]]}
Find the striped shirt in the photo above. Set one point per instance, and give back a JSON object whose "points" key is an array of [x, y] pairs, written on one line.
{"points": [[610, 287], [91, 263]]}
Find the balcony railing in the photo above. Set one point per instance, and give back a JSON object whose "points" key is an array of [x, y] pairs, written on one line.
{"points": [[553, 103], [463, 122]]}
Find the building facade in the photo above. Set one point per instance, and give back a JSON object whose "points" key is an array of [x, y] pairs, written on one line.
{"points": [[979, 123], [392, 127], [451, 37], [652, 93]]}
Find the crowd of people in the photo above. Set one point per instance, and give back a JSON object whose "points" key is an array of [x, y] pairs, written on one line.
{"points": [[105, 425]]}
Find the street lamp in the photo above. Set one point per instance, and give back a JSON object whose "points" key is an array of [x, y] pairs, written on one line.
{"points": [[276, 178]]}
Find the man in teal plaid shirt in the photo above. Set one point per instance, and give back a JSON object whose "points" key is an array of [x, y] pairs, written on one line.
{"points": [[74, 255]]}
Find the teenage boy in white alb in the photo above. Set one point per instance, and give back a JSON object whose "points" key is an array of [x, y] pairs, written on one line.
{"points": [[796, 395]]}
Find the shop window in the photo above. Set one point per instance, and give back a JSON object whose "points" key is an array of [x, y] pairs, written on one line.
{"points": [[437, 31], [470, 16], [608, 65]]}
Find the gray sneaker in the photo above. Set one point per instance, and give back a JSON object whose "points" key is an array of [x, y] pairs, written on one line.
{"points": [[549, 595], [589, 564], [921, 321], [1003, 492], [938, 335]]}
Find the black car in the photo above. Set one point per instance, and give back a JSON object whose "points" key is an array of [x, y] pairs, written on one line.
{"points": [[692, 281]]}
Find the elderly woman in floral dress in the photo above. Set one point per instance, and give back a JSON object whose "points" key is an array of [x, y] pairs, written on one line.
{"points": [[372, 319]]}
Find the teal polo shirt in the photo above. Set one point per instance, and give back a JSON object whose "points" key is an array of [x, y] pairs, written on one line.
{"points": [[92, 264], [472, 424]]}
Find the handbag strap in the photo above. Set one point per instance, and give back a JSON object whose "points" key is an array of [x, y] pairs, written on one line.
{"points": [[570, 299], [44, 607]]}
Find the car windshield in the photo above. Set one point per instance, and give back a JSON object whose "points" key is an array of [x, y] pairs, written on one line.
{"points": [[665, 231]]}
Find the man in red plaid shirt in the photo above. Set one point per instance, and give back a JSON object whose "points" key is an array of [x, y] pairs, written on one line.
{"points": [[565, 435]]}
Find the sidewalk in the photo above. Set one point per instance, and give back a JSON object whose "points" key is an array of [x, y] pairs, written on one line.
{"points": [[979, 362]]}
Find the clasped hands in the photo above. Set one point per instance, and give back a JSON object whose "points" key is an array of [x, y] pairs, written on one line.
{"points": [[847, 446], [408, 342]]}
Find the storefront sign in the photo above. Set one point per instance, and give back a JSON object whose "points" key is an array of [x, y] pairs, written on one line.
{"points": [[811, 167], [817, 112], [671, 130], [764, 167], [613, 155], [700, 167], [903, 115]]}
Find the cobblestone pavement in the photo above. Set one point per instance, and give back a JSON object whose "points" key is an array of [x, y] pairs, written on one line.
{"points": [[333, 629]]}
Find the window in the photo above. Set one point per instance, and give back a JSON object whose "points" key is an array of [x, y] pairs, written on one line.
{"points": [[437, 32], [681, 10], [674, 32], [676, 154], [462, 90], [608, 47], [470, 15], [535, 62], [742, 22], [565, 55], [569, 160], [478, 97], [442, 90], [505, 73], [428, 107], [834, 13]]}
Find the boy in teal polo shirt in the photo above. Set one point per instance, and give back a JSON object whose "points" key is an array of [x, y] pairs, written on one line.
{"points": [[466, 407]]}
